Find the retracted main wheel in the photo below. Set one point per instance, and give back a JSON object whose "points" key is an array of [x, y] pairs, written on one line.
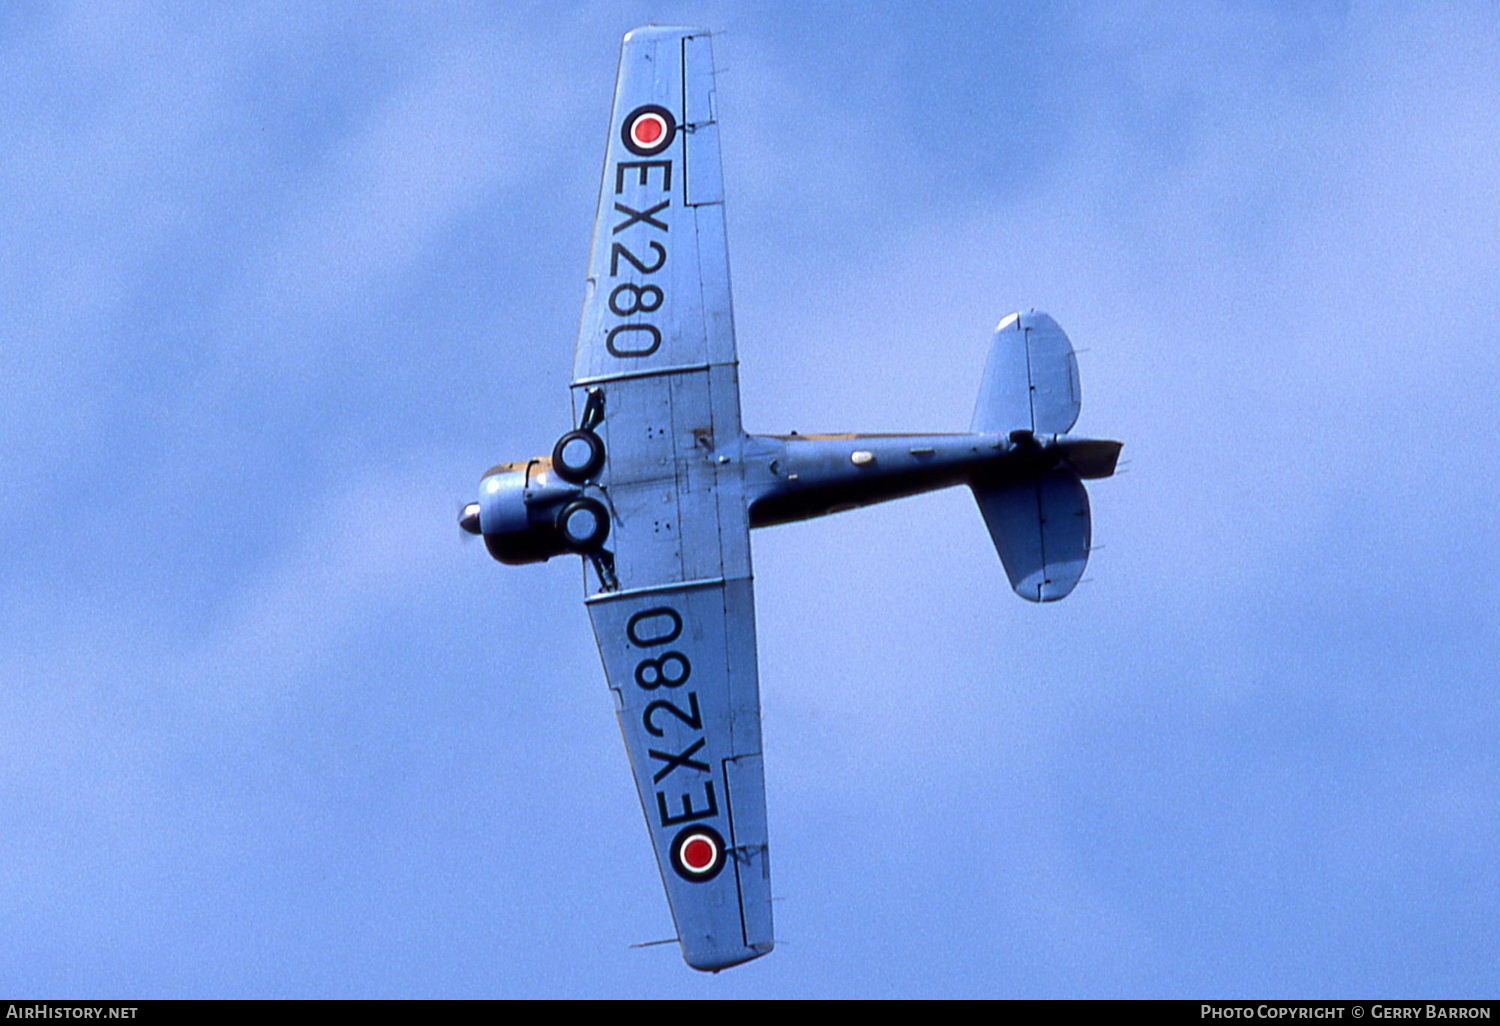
{"points": [[583, 524], [578, 455]]}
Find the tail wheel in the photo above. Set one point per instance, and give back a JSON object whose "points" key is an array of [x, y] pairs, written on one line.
{"points": [[583, 524], [577, 456]]}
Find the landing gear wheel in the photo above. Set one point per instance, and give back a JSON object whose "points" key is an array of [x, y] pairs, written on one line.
{"points": [[583, 524], [577, 456]]}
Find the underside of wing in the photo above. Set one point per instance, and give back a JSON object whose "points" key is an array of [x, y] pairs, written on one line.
{"points": [[656, 345], [681, 664], [673, 611], [658, 287]]}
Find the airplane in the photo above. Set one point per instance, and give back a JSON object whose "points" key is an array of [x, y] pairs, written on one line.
{"points": [[658, 487]]}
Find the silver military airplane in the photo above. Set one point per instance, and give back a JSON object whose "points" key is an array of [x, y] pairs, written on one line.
{"points": [[658, 486]]}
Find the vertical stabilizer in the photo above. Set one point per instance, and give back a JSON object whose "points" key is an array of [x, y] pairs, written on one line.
{"points": [[1030, 379]]}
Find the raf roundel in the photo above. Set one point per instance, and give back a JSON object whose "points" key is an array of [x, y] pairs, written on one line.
{"points": [[648, 130], [698, 853]]}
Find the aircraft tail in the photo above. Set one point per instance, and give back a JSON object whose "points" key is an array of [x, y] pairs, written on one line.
{"points": [[1030, 379], [1040, 523], [1041, 528]]}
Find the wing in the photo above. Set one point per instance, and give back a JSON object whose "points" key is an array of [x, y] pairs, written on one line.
{"points": [[674, 617], [658, 286], [681, 664], [657, 335]]}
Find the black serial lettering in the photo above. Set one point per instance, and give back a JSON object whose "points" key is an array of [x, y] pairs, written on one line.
{"points": [[650, 616], [652, 343], [617, 250], [650, 628], [628, 299], [670, 669], [641, 217], [692, 717], [644, 167], [689, 813], [683, 758]]}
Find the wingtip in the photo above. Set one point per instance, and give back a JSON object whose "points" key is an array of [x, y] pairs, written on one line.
{"points": [[728, 960]]}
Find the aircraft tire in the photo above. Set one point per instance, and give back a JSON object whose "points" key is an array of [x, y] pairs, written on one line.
{"points": [[577, 456], [583, 524]]}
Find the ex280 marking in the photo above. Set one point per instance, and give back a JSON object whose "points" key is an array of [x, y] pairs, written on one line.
{"points": [[633, 340], [652, 629]]}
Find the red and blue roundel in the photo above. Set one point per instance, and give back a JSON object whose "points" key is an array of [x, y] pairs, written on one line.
{"points": [[698, 853], [648, 130]]}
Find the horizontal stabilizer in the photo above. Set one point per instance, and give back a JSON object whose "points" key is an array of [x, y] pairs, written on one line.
{"points": [[1091, 457], [1030, 379], [1041, 528]]}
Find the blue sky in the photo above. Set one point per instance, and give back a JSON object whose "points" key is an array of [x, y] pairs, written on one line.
{"points": [[280, 281]]}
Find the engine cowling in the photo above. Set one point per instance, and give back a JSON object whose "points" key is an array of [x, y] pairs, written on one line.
{"points": [[527, 514]]}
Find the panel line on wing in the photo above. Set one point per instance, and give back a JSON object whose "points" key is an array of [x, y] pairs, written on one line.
{"points": [[685, 368], [687, 127], [735, 849], [702, 582], [700, 124], [734, 846]]}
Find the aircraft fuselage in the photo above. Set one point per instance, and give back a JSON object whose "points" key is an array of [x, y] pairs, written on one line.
{"points": [[794, 477], [799, 477]]}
